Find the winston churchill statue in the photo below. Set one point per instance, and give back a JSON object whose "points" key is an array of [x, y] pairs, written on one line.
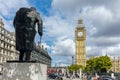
{"points": [[24, 23]]}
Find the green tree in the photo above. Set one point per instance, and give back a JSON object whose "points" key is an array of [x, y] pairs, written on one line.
{"points": [[90, 65], [74, 67], [102, 63]]}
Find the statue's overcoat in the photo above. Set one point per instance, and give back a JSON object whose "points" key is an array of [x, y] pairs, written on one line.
{"points": [[24, 24]]}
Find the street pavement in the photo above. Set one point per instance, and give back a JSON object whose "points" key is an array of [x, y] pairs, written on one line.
{"points": [[64, 79], [0, 77], [51, 79]]}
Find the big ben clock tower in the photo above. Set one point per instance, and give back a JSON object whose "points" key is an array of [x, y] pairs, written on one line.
{"points": [[80, 39]]}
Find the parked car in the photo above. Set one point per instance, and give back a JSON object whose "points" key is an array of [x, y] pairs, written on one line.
{"points": [[53, 76], [106, 77]]}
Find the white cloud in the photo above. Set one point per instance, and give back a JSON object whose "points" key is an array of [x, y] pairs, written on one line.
{"points": [[45, 45], [98, 15], [8, 9], [62, 60], [56, 26], [97, 20], [113, 51], [105, 42], [65, 47], [68, 8], [93, 51], [65, 6], [102, 45], [8, 25]]}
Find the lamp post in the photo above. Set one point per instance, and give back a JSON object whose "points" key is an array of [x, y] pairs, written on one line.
{"points": [[72, 59]]}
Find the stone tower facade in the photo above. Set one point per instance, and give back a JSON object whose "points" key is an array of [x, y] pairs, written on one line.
{"points": [[80, 40]]}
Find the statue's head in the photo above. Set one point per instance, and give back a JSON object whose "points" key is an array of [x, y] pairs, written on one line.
{"points": [[33, 8]]}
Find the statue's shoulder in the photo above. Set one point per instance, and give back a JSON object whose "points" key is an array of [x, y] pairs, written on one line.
{"points": [[23, 10], [21, 14]]}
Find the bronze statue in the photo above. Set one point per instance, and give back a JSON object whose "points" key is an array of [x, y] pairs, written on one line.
{"points": [[24, 24]]}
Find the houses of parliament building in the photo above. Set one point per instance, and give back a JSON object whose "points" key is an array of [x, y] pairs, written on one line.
{"points": [[80, 41]]}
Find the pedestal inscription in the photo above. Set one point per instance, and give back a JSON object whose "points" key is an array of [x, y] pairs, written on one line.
{"points": [[24, 71]]}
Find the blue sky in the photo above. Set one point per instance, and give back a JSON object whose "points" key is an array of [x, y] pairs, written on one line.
{"points": [[100, 17]]}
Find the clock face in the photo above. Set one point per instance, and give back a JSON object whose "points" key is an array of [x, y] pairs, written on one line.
{"points": [[80, 34]]}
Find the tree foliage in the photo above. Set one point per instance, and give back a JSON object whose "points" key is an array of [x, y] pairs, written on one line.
{"points": [[98, 64], [74, 67]]}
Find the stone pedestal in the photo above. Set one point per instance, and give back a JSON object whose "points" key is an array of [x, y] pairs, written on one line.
{"points": [[24, 71]]}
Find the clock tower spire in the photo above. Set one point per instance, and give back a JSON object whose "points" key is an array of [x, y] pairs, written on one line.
{"points": [[80, 41]]}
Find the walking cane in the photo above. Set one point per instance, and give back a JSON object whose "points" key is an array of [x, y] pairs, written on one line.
{"points": [[40, 41]]}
